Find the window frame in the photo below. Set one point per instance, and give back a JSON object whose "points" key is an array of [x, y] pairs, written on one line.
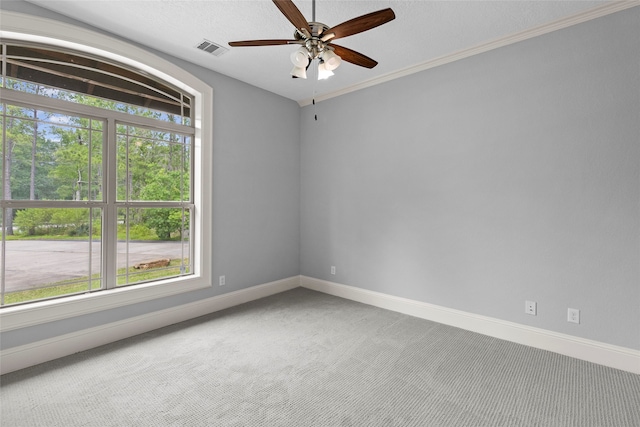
{"points": [[27, 28]]}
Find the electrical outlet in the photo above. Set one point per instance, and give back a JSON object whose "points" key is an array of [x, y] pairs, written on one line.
{"points": [[333, 270], [573, 315], [221, 281], [530, 307]]}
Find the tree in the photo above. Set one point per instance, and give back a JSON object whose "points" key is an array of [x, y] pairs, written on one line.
{"points": [[164, 185], [72, 221], [72, 165], [55, 156], [34, 151], [19, 130], [30, 220]]}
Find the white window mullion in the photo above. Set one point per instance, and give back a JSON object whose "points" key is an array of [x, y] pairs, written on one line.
{"points": [[89, 198], [110, 213], [127, 197], [3, 211]]}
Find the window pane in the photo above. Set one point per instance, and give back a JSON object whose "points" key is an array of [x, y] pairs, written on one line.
{"points": [[54, 252], [152, 244], [96, 143], [48, 155], [153, 165]]}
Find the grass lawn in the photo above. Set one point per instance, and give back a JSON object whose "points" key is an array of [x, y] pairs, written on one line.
{"points": [[82, 285]]}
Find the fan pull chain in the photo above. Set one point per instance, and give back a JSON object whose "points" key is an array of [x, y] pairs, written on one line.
{"points": [[315, 114]]}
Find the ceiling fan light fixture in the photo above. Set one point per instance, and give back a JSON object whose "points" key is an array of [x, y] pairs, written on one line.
{"points": [[300, 58], [331, 60], [316, 39], [299, 72], [323, 72]]}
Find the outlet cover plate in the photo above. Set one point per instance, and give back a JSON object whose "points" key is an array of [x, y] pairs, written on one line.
{"points": [[573, 315], [530, 307]]}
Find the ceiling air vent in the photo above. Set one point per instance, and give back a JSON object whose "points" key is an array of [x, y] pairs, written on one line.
{"points": [[211, 47]]}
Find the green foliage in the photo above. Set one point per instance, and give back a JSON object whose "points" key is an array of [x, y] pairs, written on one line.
{"points": [[28, 148], [19, 137], [164, 221], [71, 172], [51, 221], [136, 232], [164, 186], [54, 156], [75, 222], [97, 227], [32, 221]]}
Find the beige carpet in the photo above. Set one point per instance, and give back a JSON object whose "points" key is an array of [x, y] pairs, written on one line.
{"points": [[303, 358]]}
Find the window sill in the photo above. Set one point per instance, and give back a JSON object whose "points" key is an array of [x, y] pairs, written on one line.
{"points": [[49, 311]]}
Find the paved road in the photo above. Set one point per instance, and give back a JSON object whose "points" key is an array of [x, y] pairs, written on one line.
{"points": [[34, 263]]}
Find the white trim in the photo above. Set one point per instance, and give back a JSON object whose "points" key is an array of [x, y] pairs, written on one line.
{"points": [[38, 352], [37, 313], [23, 356], [18, 26], [597, 12], [592, 351]]}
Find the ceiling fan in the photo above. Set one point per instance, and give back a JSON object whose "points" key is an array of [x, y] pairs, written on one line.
{"points": [[316, 39]]}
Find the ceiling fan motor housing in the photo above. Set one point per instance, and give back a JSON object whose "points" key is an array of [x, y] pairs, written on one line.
{"points": [[313, 44]]}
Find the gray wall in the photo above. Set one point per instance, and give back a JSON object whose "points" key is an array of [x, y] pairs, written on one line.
{"points": [[256, 195], [477, 185]]}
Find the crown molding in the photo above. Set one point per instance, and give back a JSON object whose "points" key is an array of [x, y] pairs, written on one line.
{"points": [[588, 15]]}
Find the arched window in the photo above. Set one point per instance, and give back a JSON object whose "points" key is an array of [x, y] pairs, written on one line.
{"points": [[59, 73], [104, 163]]}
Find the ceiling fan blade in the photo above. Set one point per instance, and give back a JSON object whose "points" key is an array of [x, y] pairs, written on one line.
{"points": [[262, 42], [361, 23], [293, 14], [354, 57]]}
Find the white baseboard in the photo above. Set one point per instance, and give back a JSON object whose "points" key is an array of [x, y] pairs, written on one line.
{"points": [[592, 351], [15, 358]]}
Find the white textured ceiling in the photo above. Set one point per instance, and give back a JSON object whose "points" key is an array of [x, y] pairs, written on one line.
{"points": [[421, 32]]}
